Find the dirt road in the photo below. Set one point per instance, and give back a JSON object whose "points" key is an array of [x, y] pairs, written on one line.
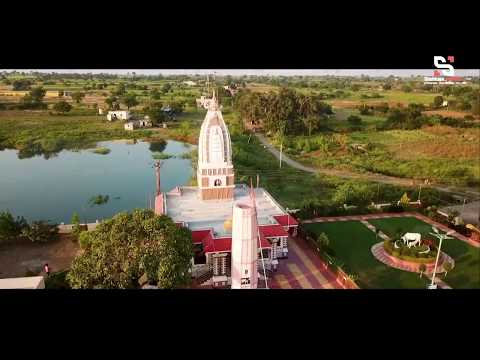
{"points": [[469, 193]]}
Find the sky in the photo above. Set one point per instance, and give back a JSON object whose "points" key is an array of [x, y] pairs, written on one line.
{"points": [[264, 72]]}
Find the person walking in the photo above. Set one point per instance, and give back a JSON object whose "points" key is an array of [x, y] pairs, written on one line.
{"points": [[47, 269]]}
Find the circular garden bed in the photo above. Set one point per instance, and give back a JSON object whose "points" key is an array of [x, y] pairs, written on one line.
{"points": [[423, 254]]}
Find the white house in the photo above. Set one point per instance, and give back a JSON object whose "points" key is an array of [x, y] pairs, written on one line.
{"points": [[118, 115], [30, 282], [132, 125], [190, 83]]}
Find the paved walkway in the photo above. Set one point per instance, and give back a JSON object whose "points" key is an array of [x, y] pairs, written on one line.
{"points": [[303, 270], [393, 215]]}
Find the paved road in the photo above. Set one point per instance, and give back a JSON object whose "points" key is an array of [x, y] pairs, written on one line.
{"points": [[470, 193]]}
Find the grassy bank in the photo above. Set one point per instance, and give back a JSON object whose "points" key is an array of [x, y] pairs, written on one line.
{"points": [[440, 153], [40, 133]]}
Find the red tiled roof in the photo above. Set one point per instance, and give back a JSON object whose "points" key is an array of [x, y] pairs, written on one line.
{"points": [[272, 230], [199, 235], [211, 244], [217, 244], [286, 220]]}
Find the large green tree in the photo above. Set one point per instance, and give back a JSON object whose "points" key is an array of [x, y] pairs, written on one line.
{"points": [[77, 96], [62, 107], [120, 250], [10, 228], [129, 100]]}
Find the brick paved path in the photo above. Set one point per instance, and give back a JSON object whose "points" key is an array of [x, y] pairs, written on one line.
{"points": [[303, 270]]}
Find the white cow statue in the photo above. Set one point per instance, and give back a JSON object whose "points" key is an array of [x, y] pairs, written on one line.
{"points": [[412, 239]]}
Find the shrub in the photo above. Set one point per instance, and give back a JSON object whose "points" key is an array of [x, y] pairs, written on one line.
{"points": [[57, 280], [354, 120], [10, 228], [41, 231]]}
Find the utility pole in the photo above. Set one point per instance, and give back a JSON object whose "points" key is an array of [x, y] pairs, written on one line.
{"points": [[419, 192], [157, 166], [281, 149], [258, 180], [463, 207], [441, 237]]}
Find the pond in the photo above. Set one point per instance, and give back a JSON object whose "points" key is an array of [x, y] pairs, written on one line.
{"points": [[54, 188]]}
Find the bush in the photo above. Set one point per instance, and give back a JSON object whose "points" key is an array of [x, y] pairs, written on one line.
{"points": [[62, 107], [354, 120], [57, 280], [41, 231], [10, 228]]}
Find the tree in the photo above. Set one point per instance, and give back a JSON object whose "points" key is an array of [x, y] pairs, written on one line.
{"points": [[404, 200], [22, 84], [422, 268], [354, 120], [62, 107], [34, 99], [10, 229], [41, 231], [387, 86], [323, 241], [447, 266], [167, 87], [77, 96], [129, 100], [112, 102], [406, 88], [120, 250], [155, 94], [475, 106], [76, 229], [120, 90], [177, 107], [438, 101], [155, 113], [61, 93]]}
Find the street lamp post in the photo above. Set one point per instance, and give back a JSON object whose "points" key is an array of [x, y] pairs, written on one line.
{"points": [[441, 237]]}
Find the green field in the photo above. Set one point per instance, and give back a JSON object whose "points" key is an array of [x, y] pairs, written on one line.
{"points": [[466, 273], [351, 242]]}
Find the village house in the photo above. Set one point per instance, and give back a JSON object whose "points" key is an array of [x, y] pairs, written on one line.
{"points": [[136, 124], [118, 115], [190, 83]]}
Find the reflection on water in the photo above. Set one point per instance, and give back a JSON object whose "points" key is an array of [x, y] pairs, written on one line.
{"points": [[54, 188]]}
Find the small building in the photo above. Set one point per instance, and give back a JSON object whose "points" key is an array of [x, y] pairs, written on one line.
{"points": [[190, 83], [100, 111], [445, 103], [203, 102], [118, 115], [136, 124], [29, 282]]}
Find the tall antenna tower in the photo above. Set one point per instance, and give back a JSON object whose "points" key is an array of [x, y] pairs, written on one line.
{"points": [[254, 205]]}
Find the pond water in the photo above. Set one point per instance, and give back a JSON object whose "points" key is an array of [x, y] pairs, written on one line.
{"points": [[53, 189]]}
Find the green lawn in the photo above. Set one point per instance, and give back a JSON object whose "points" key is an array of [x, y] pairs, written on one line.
{"points": [[466, 273], [351, 242]]}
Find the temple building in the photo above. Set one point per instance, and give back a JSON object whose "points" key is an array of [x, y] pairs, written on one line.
{"points": [[239, 233]]}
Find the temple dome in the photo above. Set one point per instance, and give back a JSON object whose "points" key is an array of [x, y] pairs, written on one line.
{"points": [[214, 144]]}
